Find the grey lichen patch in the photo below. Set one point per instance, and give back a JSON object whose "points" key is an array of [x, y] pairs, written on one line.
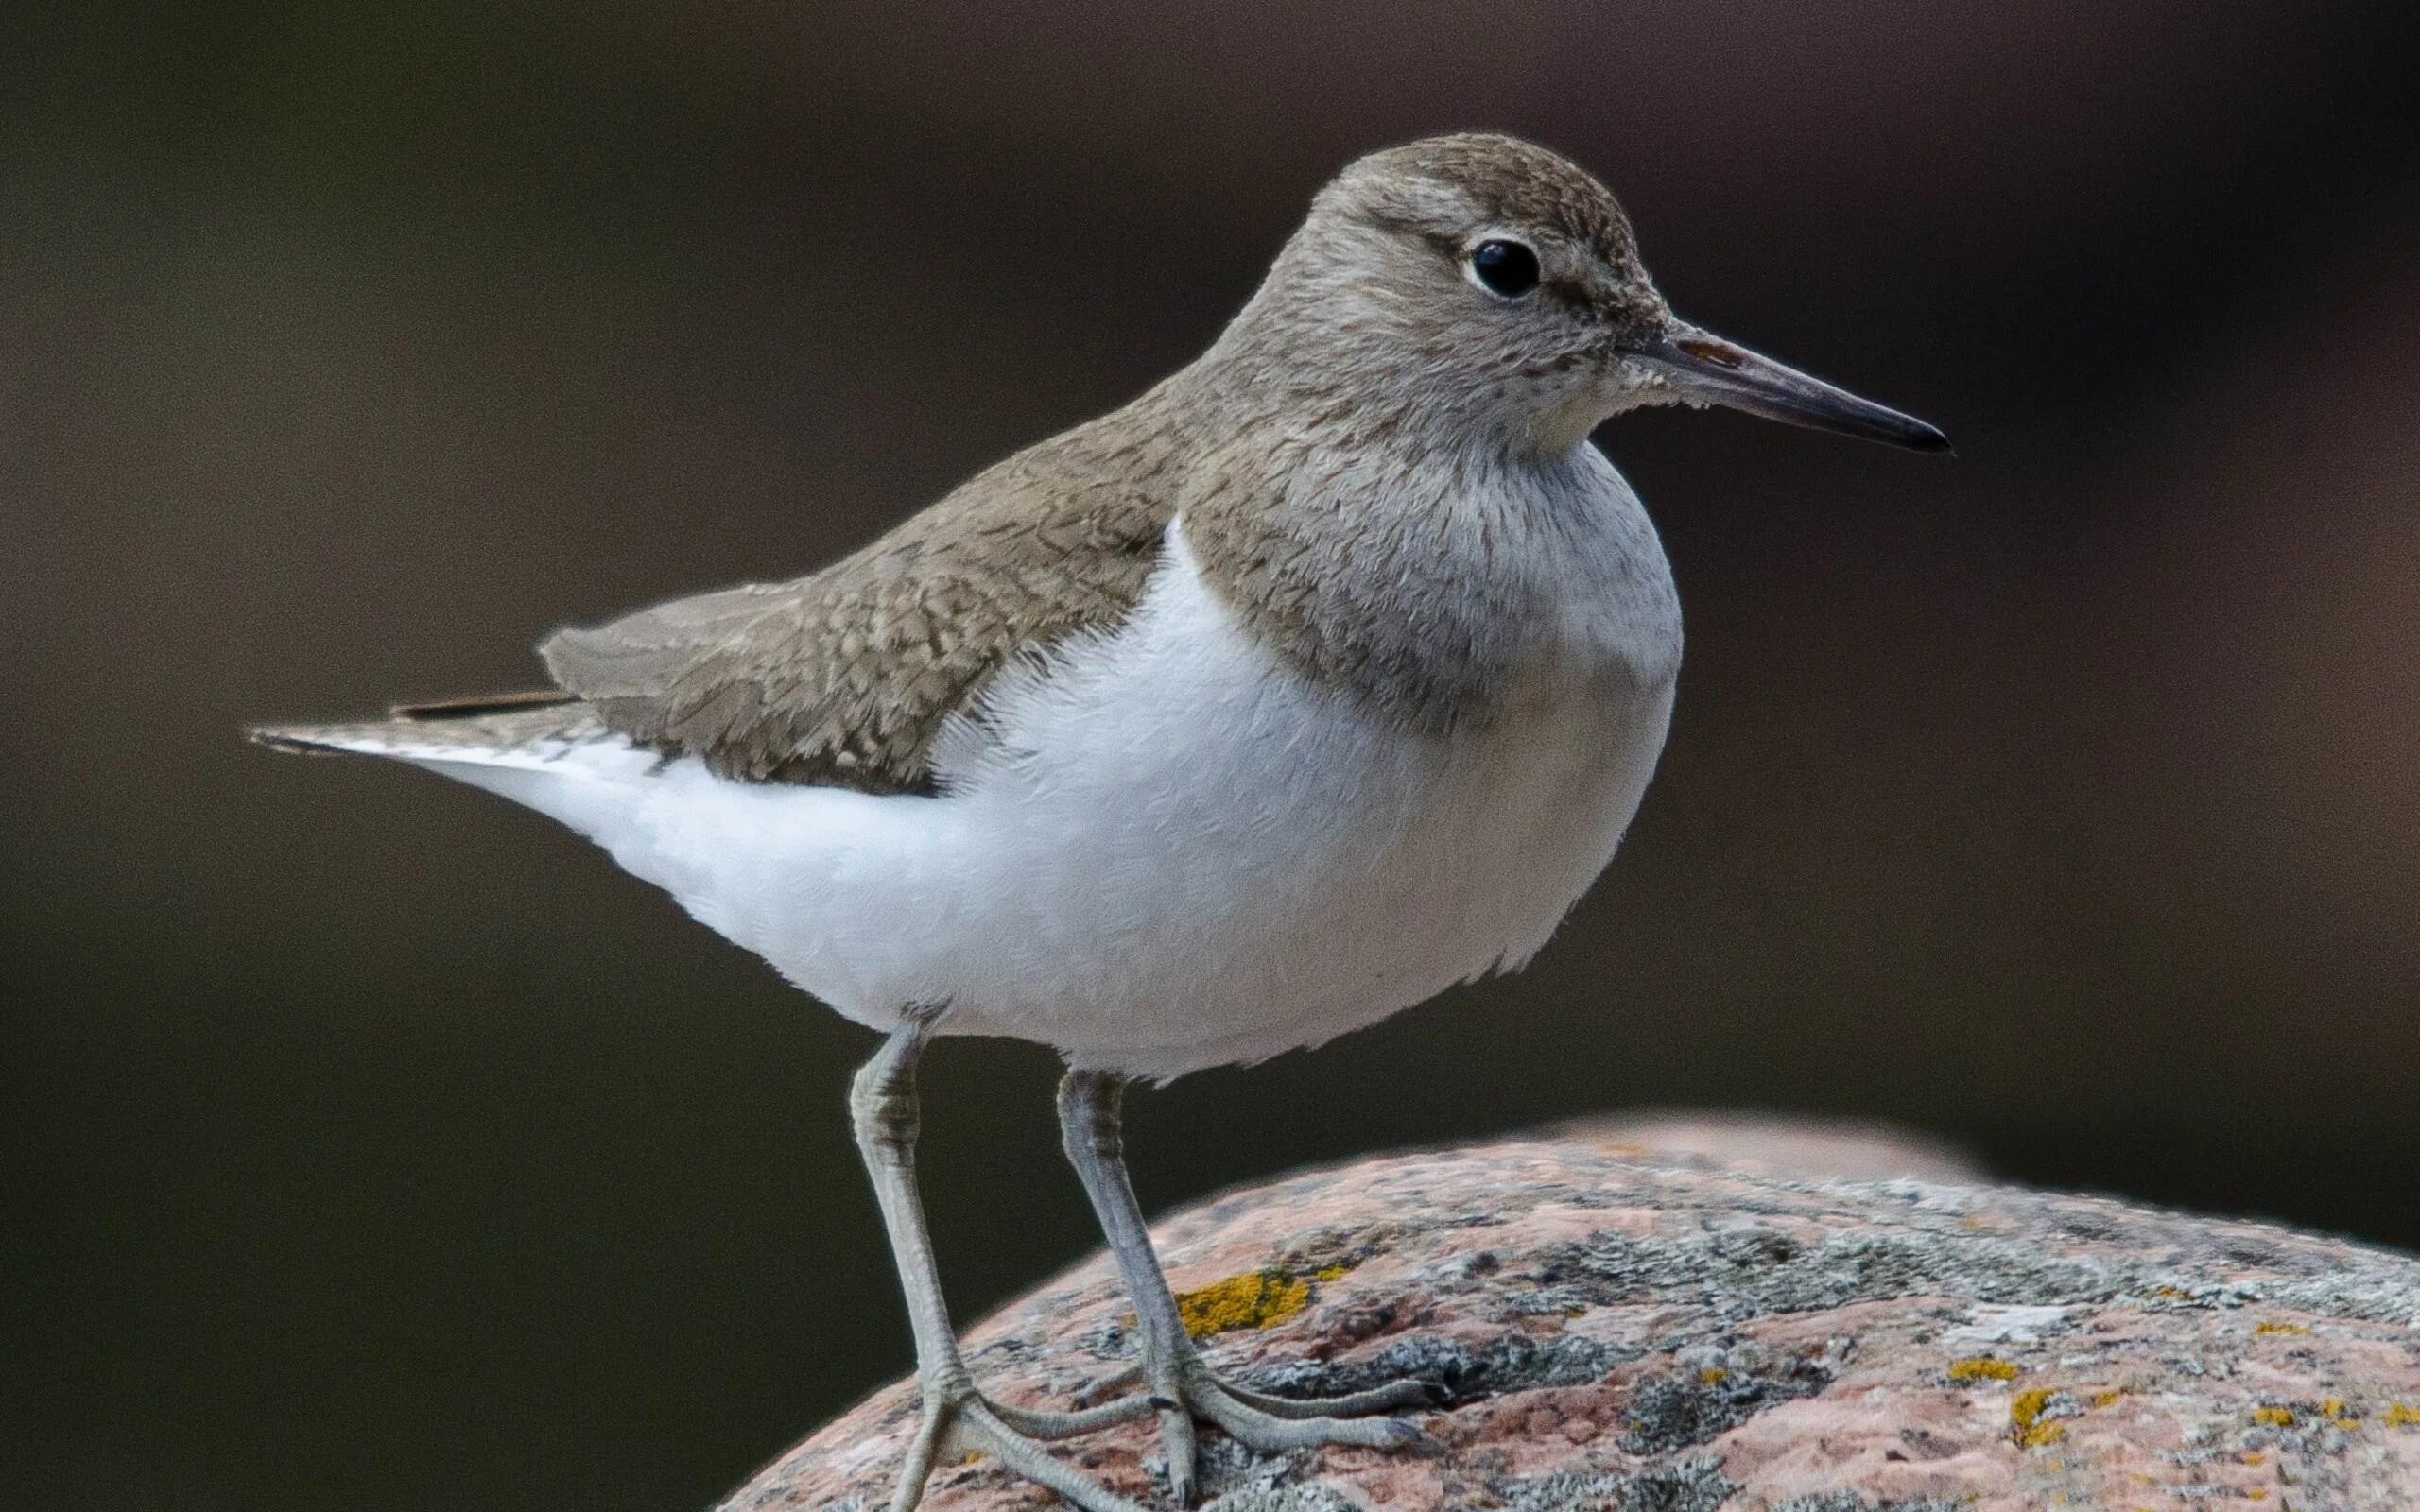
{"points": [[1227, 1469], [1511, 1362], [1677, 1410], [1851, 1502], [1109, 1341], [1741, 1275], [1317, 1496], [1692, 1486]]}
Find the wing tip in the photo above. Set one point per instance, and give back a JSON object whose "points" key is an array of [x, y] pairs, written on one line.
{"points": [[479, 730], [306, 740], [377, 736]]}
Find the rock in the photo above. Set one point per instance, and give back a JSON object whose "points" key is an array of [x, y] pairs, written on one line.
{"points": [[1852, 1149], [1664, 1333]]}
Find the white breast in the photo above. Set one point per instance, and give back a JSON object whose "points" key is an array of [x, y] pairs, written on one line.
{"points": [[1162, 851]]}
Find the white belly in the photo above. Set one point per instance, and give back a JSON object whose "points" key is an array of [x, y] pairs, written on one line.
{"points": [[1160, 852]]}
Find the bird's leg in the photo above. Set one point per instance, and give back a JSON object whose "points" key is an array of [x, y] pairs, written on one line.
{"points": [[957, 1417], [1172, 1376]]}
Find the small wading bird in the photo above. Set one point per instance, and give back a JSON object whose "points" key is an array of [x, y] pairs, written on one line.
{"points": [[1324, 676]]}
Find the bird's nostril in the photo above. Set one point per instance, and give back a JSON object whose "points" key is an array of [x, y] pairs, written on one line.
{"points": [[1713, 352]]}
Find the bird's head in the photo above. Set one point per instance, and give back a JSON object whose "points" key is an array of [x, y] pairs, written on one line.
{"points": [[1481, 280]]}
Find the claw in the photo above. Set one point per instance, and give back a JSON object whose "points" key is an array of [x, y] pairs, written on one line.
{"points": [[1176, 1437]]}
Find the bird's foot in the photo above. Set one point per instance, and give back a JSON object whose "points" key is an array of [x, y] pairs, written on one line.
{"points": [[1187, 1388], [960, 1420]]}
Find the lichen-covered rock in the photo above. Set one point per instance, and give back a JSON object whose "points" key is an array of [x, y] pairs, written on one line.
{"points": [[1661, 1334]]}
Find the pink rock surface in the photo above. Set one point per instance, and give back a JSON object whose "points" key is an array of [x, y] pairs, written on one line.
{"points": [[1649, 1334], [1780, 1144]]}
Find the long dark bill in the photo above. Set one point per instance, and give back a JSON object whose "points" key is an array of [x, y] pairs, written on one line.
{"points": [[1703, 366]]}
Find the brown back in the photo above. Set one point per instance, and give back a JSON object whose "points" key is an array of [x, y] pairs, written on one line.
{"points": [[846, 676]]}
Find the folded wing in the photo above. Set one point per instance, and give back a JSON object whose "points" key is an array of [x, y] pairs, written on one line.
{"points": [[846, 676]]}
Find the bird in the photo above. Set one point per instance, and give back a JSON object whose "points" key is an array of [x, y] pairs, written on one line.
{"points": [[1324, 675]]}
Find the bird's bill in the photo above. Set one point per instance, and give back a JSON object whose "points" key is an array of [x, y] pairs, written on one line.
{"points": [[1704, 367]]}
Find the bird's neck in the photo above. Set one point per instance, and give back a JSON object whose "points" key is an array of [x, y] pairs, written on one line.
{"points": [[1371, 545]]}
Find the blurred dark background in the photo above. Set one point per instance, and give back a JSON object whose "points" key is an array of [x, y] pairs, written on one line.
{"points": [[371, 1144]]}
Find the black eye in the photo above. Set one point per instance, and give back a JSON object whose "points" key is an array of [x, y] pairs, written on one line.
{"points": [[1505, 267]]}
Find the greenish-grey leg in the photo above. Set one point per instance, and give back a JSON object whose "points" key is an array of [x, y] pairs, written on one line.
{"points": [[1173, 1378], [957, 1418]]}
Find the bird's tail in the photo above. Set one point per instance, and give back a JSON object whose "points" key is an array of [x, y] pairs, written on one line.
{"points": [[548, 751], [511, 728]]}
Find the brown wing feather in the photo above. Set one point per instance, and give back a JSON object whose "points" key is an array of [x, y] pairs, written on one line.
{"points": [[845, 676]]}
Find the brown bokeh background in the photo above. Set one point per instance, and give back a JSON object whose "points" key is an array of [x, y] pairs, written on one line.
{"points": [[371, 1144]]}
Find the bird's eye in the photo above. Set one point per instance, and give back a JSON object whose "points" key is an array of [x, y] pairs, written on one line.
{"points": [[1505, 267]]}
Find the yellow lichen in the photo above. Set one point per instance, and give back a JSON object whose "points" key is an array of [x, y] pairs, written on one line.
{"points": [[2172, 1294], [1329, 1273], [1713, 1375], [1981, 1367], [2400, 1414], [2108, 1397], [2025, 1419], [1254, 1299], [2256, 1493], [2274, 1417], [2273, 1326]]}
